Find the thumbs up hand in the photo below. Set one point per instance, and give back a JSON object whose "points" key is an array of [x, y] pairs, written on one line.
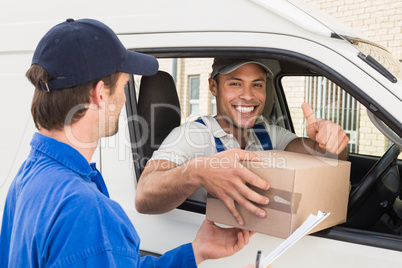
{"points": [[328, 135]]}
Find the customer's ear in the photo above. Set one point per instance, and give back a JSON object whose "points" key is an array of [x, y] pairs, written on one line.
{"points": [[97, 96]]}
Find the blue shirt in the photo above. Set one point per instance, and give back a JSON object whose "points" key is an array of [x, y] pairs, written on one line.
{"points": [[58, 214]]}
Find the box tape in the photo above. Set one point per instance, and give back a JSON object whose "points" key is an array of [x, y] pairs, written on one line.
{"points": [[280, 200]]}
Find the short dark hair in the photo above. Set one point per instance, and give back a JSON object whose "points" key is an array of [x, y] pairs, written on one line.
{"points": [[50, 109]]}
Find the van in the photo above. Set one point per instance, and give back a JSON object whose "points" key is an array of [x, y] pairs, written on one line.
{"points": [[343, 75]]}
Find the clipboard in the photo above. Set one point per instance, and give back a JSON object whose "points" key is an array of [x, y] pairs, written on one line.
{"points": [[307, 226]]}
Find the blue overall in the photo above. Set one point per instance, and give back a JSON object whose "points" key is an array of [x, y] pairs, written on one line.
{"points": [[259, 131]]}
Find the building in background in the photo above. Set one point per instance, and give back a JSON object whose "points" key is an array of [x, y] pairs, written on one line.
{"points": [[379, 21]]}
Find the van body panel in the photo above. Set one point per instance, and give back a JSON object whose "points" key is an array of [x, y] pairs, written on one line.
{"points": [[199, 28]]}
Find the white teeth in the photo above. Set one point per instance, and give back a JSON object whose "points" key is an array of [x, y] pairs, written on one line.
{"points": [[245, 109]]}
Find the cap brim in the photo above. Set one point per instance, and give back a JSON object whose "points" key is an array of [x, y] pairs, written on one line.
{"points": [[230, 68], [138, 63]]}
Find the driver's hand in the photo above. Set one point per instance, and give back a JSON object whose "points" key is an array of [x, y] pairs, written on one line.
{"points": [[225, 177], [329, 136]]}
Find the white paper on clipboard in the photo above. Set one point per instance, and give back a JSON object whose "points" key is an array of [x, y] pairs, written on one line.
{"points": [[308, 224]]}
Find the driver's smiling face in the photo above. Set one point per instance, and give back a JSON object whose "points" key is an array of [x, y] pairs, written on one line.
{"points": [[240, 96]]}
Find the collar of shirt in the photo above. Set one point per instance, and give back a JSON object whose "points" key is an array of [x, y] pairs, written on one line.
{"points": [[70, 158], [229, 140]]}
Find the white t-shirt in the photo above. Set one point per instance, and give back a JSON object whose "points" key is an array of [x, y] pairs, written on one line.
{"points": [[195, 139]]}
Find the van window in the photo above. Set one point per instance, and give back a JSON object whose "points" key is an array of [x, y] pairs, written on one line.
{"points": [[331, 102], [328, 100]]}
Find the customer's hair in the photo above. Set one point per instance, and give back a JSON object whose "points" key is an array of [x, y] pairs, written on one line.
{"points": [[56, 108]]}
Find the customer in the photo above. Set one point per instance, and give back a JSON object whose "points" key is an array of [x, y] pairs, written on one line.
{"points": [[58, 212]]}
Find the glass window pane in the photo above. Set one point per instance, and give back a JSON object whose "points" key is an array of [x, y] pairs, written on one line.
{"points": [[213, 105], [194, 109], [194, 87], [331, 102]]}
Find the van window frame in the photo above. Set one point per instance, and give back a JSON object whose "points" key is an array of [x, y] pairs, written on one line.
{"points": [[345, 234], [285, 55]]}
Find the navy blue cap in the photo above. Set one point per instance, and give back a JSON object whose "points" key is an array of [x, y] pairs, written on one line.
{"points": [[79, 51]]}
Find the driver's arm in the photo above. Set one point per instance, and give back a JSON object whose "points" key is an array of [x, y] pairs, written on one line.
{"points": [[164, 185], [308, 146]]}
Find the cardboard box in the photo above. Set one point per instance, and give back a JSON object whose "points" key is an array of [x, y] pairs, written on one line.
{"points": [[300, 185]]}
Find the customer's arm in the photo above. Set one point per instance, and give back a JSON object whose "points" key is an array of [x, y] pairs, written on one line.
{"points": [[211, 242]]}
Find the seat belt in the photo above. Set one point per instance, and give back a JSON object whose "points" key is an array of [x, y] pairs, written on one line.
{"points": [[259, 131]]}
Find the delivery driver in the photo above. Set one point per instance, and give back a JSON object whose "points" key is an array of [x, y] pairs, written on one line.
{"points": [[58, 212], [206, 153]]}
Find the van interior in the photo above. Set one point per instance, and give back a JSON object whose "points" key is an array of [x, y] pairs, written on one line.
{"points": [[375, 206]]}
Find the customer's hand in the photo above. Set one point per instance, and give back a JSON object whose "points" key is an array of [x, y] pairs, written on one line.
{"points": [[213, 242]]}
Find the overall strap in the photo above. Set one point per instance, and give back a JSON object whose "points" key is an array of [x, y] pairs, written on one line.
{"points": [[218, 144], [263, 136], [259, 131]]}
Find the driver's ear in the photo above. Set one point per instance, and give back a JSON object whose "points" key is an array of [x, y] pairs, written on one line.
{"points": [[213, 86]]}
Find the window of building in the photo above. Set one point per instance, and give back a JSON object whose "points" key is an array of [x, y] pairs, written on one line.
{"points": [[213, 105], [194, 94]]}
